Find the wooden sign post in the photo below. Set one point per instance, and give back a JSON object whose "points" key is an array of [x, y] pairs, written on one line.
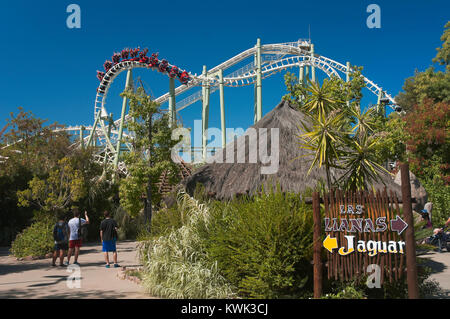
{"points": [[411, 265], [317, 247], [363, 231]]}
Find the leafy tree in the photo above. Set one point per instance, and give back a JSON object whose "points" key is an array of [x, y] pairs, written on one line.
{"points": [[340, 134], [34, 149], [429, 84], [59, 190], [427, 128], [426, 98], [364, 122], [443, 55], [151, 156], [319, 98], [393, 144], [32, 145], [360, 163], [324, 139]]}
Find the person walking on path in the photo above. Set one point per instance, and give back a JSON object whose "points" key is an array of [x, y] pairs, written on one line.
{"points": [[61, 237], [108, 236], [75, 240]]}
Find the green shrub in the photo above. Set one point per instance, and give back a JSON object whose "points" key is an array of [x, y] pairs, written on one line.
{"points": [[348, 291], [397, 289], [176, 265], [164, 221], [439, 195], [36, 240], [263, 246], [128, 225], [167, 219]]}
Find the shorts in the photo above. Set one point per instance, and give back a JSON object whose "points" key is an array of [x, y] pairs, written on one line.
{"points": [[109, 245], [62, 246], [75, 243]]}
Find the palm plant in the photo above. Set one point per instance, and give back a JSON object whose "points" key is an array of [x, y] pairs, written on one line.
{"points": [[360, 162], [323, 139], [320, 99], [364, 121], [340, 136]]}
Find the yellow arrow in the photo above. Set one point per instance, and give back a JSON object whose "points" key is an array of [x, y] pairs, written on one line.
{"points": [[330, 243]]}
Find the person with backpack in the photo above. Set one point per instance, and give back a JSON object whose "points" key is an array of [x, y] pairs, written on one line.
{"points": [[61, 237], [75, 238], [108, 236]]}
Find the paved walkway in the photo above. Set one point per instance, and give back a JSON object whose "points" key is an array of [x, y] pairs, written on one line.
{"points": [[440, 264], [38, 279]]}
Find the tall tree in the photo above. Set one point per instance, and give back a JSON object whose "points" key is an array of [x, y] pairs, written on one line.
{"points": [[339, 135], [63, 186], [430, 84], [150, 157], [32, 144], [426, 99], [324, 139], [443, 55], [28, 147], [429, 138]]}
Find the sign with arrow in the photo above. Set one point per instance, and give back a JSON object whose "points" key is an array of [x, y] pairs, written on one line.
{"points": [[330, 243], [398, 225], [361, 229]]}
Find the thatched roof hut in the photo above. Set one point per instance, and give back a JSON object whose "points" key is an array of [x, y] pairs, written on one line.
{"points": [[224, 180]]}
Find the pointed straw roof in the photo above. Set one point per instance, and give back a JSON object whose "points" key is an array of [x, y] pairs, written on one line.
{"points": [[227, 180]]}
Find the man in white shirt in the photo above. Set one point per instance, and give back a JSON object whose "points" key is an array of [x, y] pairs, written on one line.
{"points": [[75, 240]]}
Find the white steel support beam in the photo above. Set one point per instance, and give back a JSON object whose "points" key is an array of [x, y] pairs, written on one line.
{"points": [[301, 75], [258, 81], [92, 135], [347, 77], [313, 69], [255, 94], [222, 109], [380, 106], [128, 84], [205, 111], [172, 108], [82, 136]]}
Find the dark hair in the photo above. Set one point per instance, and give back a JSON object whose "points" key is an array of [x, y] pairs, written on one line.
{"points": [[60, 214], [425, 215], [106, 213], [76, 212]]}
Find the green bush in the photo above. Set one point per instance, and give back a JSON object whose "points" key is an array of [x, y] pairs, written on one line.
{"points": [[259, 248], [346, 291], [397, 289], [439, 195], [128, 226], [164, 221], [175, 263], [263, 245], [36, 240]]}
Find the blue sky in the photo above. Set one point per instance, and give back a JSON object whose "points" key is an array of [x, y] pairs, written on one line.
{"points": [[51, 70]]}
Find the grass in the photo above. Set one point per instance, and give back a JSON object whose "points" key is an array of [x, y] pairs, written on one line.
{"points": [[175, 264]]}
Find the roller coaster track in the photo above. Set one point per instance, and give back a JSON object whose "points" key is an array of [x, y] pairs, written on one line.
{"points": [[274, 58], [275, 61]]}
